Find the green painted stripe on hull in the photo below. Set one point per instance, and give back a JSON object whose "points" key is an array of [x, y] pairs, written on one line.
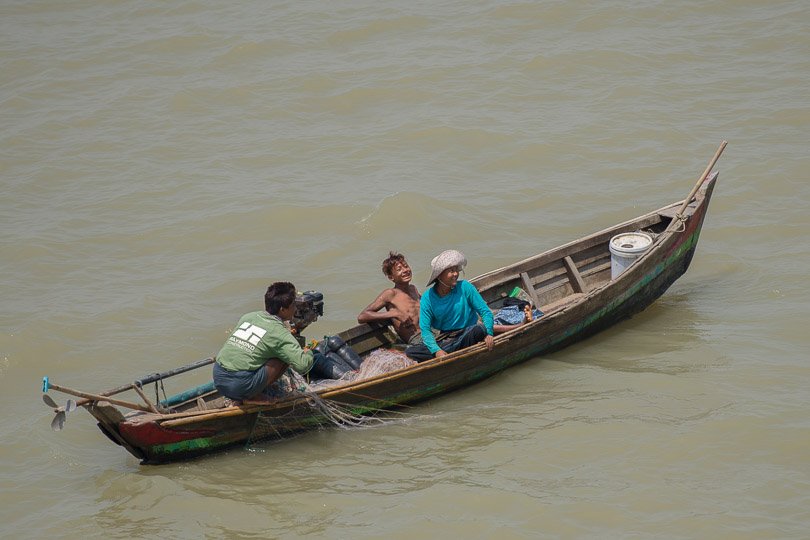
{"points": [[632, 291]]}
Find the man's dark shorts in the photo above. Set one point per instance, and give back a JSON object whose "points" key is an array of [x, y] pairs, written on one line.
{"points": [[239, 385]]}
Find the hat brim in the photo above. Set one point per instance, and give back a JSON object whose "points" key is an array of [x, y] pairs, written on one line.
{"points": [[443, 261]]}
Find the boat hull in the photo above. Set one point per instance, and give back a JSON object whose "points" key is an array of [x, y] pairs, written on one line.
{"points": [[158, 439]]}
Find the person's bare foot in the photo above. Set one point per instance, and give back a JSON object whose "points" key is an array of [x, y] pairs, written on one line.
{"points": [[232, 402]]}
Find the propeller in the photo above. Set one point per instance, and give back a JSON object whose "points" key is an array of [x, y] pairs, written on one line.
{"points": [[58, 421], [49, 401]]}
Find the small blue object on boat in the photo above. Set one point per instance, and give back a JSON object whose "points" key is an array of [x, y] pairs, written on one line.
{"points": [[45, 384], [514, 315]]}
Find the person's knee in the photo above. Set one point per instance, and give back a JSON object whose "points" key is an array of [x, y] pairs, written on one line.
{"points": [[275, 368], [419, 352], [474, 334]]}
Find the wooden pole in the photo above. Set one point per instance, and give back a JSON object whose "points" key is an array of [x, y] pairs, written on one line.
{"points": [[97, 397], [105, 393], [230, 411], [702, 178], [144, 398]]}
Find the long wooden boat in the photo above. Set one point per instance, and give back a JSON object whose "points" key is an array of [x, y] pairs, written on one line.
{"points": [[572, 284]]}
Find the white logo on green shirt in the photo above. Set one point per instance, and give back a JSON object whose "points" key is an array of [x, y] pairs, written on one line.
{"points": [[250, 332]]}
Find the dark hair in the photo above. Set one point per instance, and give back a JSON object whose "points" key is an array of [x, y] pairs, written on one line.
{"points": [[280, 294], [393, 258]]}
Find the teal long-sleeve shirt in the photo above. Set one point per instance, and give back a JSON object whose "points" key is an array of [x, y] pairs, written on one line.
{"points": [[459, 309]]}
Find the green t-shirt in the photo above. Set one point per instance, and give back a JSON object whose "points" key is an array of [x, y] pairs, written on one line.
{"points": [[258, 337]]}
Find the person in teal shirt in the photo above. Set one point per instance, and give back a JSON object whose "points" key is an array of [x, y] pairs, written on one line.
{"points": [[452, 307], [261, 349]]}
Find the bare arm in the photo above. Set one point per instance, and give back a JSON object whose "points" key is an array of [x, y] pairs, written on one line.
{"points": [[373, 312]]}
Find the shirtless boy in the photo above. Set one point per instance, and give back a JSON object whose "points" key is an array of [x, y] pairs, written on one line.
{"points": [[401, 302]]}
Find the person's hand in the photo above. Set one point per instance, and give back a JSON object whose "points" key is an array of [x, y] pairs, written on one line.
{"points": [[439, 354], [489, 341], [407, 325]]}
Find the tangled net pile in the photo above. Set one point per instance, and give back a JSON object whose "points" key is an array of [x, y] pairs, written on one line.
{"points": [[376, 363], [315, 409]]}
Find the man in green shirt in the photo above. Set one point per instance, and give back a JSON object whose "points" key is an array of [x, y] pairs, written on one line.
{"points": [[261, 348]]}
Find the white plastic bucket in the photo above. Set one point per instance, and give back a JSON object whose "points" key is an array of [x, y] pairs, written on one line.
{"points": [[625, 248]]}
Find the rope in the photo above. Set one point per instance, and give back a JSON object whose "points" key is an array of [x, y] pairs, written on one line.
{"points": [[681, 223], [313, 408], [157, 393]]}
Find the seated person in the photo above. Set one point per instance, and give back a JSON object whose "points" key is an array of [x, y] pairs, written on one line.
{"points": [[261, 349], [401, 302], [452, 307]]}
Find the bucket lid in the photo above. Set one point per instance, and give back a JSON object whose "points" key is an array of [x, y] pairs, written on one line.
{"points": [[634, 242]]}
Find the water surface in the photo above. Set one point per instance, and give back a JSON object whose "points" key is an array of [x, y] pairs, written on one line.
{"points": [[161, 164]]}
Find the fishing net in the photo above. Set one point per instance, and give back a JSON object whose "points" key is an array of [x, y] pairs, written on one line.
{"points": [[313, 410], [376, 363]]}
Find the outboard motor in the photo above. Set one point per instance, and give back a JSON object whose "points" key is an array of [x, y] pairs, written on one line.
{"points": [[308, 307]]}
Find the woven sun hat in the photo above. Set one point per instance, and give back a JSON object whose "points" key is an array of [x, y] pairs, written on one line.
{"points": [[443, 261]]}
